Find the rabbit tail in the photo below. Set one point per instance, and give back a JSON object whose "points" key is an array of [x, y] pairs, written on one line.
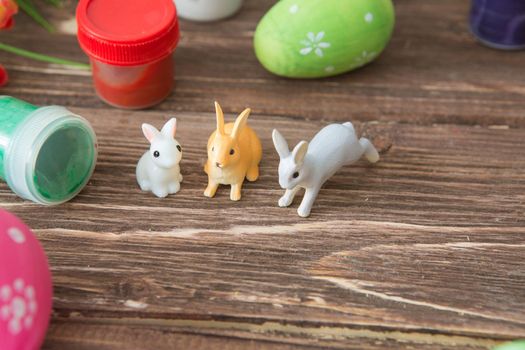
{"points": [[370, 151]]}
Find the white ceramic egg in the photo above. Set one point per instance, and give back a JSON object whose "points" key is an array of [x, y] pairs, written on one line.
{"points": [[207, 10]]}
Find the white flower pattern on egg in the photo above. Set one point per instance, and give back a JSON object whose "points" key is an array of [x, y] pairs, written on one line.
{"points": [[294, 9], [18, 306], [314, 44], [16, 235], [5, 293], [369, 17], [365, 57], [19, 284]]}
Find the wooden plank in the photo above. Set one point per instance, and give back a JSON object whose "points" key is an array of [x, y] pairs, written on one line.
{"points": [[432, 72], [420, 242], [164, 334], [437, 175], [71, 335]]}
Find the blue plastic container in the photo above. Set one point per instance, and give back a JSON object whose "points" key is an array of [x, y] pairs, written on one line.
{"points": [[499, 24]]}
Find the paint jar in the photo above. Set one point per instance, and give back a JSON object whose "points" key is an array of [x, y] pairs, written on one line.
{"points": [[47, 154], [499, 24], [130, 45], [207, 10]]}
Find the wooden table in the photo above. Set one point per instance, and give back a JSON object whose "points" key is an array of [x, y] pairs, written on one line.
{"points": [[424, 250]]}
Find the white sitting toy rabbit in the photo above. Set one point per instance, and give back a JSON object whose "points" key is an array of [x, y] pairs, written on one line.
{"points": [[158, 169], [308, 166]]}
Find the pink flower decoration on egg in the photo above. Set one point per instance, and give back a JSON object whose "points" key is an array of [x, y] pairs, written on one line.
{"points": [[25, 286]]}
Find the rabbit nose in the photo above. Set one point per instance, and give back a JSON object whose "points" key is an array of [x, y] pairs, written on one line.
{"points": [[218, 165]]}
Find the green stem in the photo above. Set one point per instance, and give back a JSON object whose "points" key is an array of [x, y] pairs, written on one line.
{"points": [[28, 7], [43, 58], [56, 3]]}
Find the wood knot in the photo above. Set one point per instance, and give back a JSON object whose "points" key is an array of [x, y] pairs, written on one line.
{"points": [[135, 288], [381, 135]]}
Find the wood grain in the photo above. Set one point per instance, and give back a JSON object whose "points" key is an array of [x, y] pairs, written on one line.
{"points": [[423, 250], [432, 72]]}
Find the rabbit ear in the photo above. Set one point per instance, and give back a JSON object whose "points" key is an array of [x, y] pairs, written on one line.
{"points": [[149, 131], [220, 118], [299, 152], [170, 128], [281, 146], [240, 122]]}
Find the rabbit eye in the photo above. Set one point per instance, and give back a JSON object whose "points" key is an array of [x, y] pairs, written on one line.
{"points": [[232, 152], [156, 154], [179, 148], [213, 149], [295, 175]]}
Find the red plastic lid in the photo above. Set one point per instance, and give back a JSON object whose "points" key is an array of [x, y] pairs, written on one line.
{"points": [[127, 32]]}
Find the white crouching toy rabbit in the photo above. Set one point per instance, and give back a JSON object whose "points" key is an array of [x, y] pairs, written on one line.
{"points": [[158, 169], [309, 165]]}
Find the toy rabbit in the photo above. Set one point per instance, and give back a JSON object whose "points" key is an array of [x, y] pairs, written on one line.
{"points": [[234, 153], [308, 166], [158, 169]]}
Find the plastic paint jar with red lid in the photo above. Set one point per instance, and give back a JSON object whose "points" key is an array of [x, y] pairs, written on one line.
{"points": [[130, 45]]}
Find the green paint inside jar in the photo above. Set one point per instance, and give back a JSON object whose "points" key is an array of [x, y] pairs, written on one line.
{"points": [[64, 161], [47, 154]]}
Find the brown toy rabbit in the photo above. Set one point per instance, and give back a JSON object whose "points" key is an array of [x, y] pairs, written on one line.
{"points": [[234, 153]]}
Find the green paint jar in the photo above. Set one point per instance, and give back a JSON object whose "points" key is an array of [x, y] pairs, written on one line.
{"points": [[47, 154]]}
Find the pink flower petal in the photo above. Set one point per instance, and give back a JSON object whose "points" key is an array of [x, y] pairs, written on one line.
{"points": [[8, 8], [305, 51]]}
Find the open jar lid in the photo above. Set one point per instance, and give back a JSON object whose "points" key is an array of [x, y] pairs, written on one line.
{"points": [[126, 33]]}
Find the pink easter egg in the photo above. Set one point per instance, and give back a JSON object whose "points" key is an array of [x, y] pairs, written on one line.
{"points": [[25, 286]]}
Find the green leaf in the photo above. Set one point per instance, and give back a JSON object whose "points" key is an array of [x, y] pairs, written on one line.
{"points": [[28, 7], [43, 58]]}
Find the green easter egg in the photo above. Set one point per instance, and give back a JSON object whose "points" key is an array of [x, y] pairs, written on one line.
{"points": [[320, 38]]}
